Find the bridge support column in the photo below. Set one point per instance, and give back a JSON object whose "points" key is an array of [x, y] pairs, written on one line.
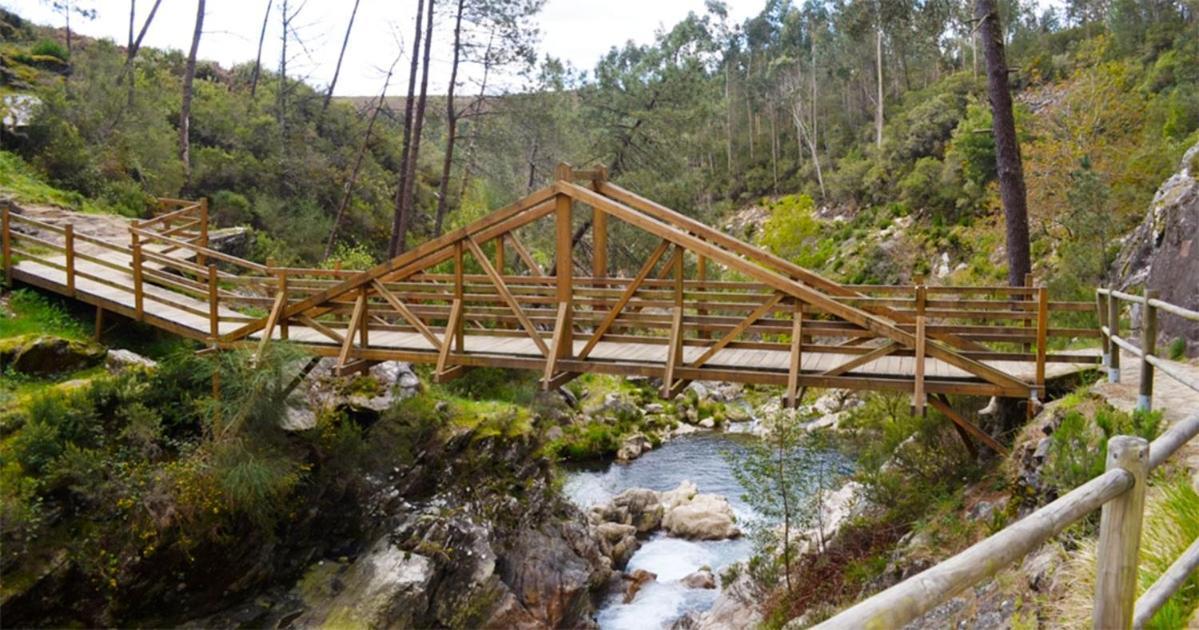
{"points": [[562, 346]]}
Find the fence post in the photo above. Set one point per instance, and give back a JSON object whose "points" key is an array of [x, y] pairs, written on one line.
{"points": [[1042, 339], [214, 312], [6, 234], [69, 245], [200, 259], [1101, 315], [135, 241], [284, 332], [1120, 536], [1148, 347], [1113, 327]]}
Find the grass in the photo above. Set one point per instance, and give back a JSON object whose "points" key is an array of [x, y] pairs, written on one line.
{"points": [[27, 312], [25, 184]]}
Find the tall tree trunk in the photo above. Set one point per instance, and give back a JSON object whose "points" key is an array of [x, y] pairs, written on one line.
{"points": [[473, 110], [348, 193], [258, 60], [398, 221], [728, 126], [189, 75], [451, 122], [132, 16], [340, 56], [878, 112], [1007, 147], [281, 90], [135, 44]]}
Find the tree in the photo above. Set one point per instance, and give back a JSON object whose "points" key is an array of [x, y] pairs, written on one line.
{"points": [[189, 75], [785, 480], [451, 125], [1007, 148], [258, 60], [68, 7], [401, 219], [337, 70], [348, 192]]}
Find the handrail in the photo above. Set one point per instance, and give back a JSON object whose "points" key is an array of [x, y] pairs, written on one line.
{"points": [[1107, 302], [915, 596]]}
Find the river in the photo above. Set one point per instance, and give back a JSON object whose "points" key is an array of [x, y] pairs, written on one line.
{"points": [[699, 458]]}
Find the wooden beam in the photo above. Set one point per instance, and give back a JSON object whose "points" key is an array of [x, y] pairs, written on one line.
{"points": [[565, 271], [522, 252], [443, 372], [499, 253], [863, 359], [557, 350], [320, 328], [355, 323], [737, 330], [646, 270], [406, 313], [1042, 338], [674, 354], [506, 295], [793, 396], [918, 395], [599, 243], [269, 331], [941, 403]]}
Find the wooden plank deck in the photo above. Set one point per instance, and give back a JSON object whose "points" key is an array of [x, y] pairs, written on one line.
{"points": [[179, 313]]}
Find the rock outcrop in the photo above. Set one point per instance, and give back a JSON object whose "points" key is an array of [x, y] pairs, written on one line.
{"points": [[1163, 253], [43, 355], [704, 517]]}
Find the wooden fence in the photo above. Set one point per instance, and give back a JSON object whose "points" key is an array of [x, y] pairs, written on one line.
{"points": [[1109, 304], [1119, 491]]}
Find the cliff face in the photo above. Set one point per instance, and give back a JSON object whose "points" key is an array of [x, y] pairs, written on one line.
{"points": [[1163, 253]]}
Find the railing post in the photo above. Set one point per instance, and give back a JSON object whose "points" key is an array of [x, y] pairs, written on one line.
{"points": [[459, 294], [214, 306], [1042, 339], [136, 243], [6, 235], [69, 245], [203, 230], [1148, 348], [1029, 282], [284, 332], [918, 395], [1113, 327], [565, 271], [1120, 536], [1101, 316]]}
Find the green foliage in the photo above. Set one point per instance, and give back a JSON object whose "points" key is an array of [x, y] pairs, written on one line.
{"points": [[350, 257], [1078, 446], [792, 231], [1177, 349], [30, 312]]}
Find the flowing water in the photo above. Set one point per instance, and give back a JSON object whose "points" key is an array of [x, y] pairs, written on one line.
{"points": [[699, 458]]}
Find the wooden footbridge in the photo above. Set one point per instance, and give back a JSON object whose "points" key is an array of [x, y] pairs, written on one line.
{"points": [[461, 300]]}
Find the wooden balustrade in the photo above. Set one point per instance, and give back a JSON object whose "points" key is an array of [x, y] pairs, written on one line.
{"points": [[1109, 305]]}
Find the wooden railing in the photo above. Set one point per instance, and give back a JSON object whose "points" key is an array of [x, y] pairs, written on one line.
{"points": [[1120, 491], [1109, 304]]}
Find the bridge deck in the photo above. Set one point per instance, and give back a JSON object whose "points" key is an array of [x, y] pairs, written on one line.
{"points": [[414, 347]]}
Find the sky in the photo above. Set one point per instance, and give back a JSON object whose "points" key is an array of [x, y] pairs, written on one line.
{"points": [[575, 31]]}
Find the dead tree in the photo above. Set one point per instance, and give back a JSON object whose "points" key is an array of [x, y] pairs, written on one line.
{"points": [[189, 75], [412, 130], [337, 70], [451, 125], [258, 60]]}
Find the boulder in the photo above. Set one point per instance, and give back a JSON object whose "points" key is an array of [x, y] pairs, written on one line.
{"points": [[633, 447], [704, 517], [120, 360], [43, 355], [617, 542], [638, 507], [735, 607], [685, 491], [700, 579], [385, 587], [636, 579]]}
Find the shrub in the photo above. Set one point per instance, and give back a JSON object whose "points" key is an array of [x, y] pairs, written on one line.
{"points": [[1177, 349], [49, 48]]}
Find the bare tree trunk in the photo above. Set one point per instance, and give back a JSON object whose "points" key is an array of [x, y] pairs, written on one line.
{"points": [[728, 127], [337, 70], [132, 16], [451, 122], [1007, 147], [280, 96], [258, 60], [473, 110], [189, 75], [398, 222], [878, 116], [348, 193], [135, 44]]}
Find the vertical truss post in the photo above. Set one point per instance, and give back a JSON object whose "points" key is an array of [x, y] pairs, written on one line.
{"points": [[675, 349], [459, 295], [1042, 339], [701, 277], [918, 395], [284, 333], [1028, 283], [499, 254], [562, 220], [364, 325], [793, 395]]}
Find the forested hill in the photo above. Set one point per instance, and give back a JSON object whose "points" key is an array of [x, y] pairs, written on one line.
{"points": [[851, 136]]}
